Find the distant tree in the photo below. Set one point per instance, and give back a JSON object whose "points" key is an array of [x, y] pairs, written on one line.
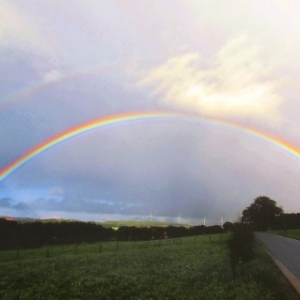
{"points": [[262, 213], [197, 230], [228, 226]]}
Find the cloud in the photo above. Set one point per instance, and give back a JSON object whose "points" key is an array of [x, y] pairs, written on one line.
{"points": [[66, 204], [12, 26], [21, 206], [57, 192], [52, 76], [6, 202], [237, 83], [166, 168], [17, 31]]}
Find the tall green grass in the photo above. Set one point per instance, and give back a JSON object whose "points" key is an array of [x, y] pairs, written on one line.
{"points": [[101, 247]]}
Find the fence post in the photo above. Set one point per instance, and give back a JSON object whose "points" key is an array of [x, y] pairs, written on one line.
{"points": [[48, 252], [18, 253], [100, 247]]}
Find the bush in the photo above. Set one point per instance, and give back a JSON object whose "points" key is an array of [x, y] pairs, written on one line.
{"points": [[241, 245]]}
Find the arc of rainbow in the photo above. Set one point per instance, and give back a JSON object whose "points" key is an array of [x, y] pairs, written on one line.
{"points": [[121, 118], [37, 87]]}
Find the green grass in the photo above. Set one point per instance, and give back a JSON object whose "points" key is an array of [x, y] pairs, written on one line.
{"points": [[291, 233], [195, 269]]}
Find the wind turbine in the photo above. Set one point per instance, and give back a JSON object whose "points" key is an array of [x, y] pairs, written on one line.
{"points": [[204, 223], [179, 218], [150, 217], [222, 222]]}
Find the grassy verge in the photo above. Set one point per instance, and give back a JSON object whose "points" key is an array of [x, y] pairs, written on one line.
{"points": [[194, 269], [291, 233], [262, 278]]}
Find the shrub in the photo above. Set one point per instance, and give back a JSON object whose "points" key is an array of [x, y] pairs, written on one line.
{"points": [[240, 245]]}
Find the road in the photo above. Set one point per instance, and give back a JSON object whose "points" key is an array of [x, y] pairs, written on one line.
{"points": [[284, 250]]}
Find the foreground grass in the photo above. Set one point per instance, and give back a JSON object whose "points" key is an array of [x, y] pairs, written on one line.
{"points": [[191, 270]]}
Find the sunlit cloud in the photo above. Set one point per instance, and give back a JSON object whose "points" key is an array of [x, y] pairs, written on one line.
{"points": [[237, 83], [18, 32], [12, 27], [52, 76]]}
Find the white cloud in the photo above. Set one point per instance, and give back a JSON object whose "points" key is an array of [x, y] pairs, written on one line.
{"points": [[52, 76], [24, 32], [14, 27], [57, 192], [238, 83]]}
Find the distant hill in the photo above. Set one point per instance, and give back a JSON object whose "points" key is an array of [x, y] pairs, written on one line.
{"points": [[23, 220], [117, 224], [29, 220], [107, 224]]}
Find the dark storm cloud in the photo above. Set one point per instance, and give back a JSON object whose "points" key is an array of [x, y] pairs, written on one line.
{"points": [[67, 204], [6, 202], [161, 167], [21, 206], [129, 169]]}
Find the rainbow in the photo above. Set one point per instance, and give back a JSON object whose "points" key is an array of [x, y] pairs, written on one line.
{"points": [[127, 117], [39, 87]]}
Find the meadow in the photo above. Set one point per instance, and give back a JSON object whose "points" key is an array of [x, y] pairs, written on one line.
{"points": [[187, 268]]}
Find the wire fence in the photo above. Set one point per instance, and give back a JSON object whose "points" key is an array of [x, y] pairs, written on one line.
{"points": [[105, 246]]}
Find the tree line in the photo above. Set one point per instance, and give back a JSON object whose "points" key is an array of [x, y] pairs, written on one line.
{"points": [[264, 214], [36, 234]]}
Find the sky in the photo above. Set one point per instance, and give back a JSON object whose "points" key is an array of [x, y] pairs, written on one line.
{"points": [[194, 104]]}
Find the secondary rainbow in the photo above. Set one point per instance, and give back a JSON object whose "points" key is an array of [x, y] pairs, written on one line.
{"points": [[126, 117], [38, 87]]}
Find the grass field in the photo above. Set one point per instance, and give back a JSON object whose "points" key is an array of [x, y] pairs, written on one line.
{"points": [[196, 268]]}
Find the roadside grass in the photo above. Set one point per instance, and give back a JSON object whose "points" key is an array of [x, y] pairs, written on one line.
{"points": [[291, 233], [263, 278], [194, 269]]}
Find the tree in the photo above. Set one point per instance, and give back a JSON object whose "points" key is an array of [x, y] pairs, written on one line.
{"points": [[228, 226], [262, 213]]}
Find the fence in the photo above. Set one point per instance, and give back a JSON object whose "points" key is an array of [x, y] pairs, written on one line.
{"points": [[107, 246]]}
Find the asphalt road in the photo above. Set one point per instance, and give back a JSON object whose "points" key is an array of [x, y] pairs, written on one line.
{"points": [[286, 250]]}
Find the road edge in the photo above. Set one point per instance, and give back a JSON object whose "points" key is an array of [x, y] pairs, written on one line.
{"points": [[292, 279]]}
